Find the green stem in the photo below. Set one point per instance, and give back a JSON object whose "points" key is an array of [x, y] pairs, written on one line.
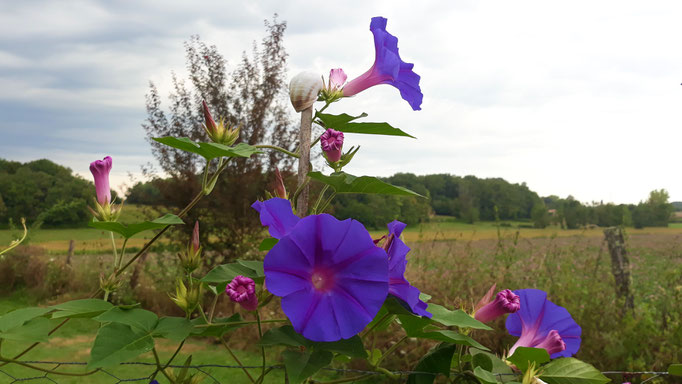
{"points": [[212, 312], [381, 320], [262, 349], [319, 198], [123, 252], [240, 323], [329, 200], [30, 347], [158, 366], [390, 350], [300, 188], [348, 379], [236, 359], [50, 371], [204, 180], [113, 246], [262, 377], [280, 149]]}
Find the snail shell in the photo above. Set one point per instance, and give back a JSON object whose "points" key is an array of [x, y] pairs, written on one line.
{"points": [[303, 90]]}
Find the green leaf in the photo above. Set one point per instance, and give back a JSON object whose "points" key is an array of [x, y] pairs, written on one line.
{"points": [[284, 335], [482, 360], [131, 230], [344, 183], [450, 337], [35, 330], [208, 150], [343, 123], [352, 347], [139, 318], [116, 343], [226, 272], [374, 356], [302, 365], [523, 356], [437, 361], [569, 370], [413, 324], [675, 370], [382, 320], [498, 366], [267, 244], [81, 308], [174, 328], [20, 316], [484, 375], [456, 318], [219, 327]]}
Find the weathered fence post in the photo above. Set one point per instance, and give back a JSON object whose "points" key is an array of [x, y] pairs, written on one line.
{"points": [[304, 160], [620, 265], [70, 252]]}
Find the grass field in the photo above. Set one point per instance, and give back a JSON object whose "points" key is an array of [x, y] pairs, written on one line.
{"points": [[90, 240]]}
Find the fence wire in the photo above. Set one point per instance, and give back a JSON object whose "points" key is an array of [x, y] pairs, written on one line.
{"points": [[208, 371]]}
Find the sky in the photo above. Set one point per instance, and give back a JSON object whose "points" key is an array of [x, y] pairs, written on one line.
{"points": [[578, 98]]}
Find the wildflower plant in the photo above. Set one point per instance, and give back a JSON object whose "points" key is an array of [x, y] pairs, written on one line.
{"points": [[337, 286]]}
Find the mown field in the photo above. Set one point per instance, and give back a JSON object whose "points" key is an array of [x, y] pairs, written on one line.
{"points": [[454, 262]]}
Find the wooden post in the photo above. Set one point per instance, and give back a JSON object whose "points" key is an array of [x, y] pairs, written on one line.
{"points": [[70, 253], [304, 160], [620, 265]]}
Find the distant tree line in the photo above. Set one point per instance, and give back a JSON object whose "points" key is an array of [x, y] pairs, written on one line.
{"points": [[45, 193]]}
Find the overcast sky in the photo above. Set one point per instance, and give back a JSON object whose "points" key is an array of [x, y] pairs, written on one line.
{"points": [[579, 97]]}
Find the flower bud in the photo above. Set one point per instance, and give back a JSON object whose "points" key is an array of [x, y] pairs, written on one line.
{"points": [[553, 343], [332, 143], [191, 259], [280, 190], [218, 133], [187, 299], [333, 90], [505, 302], [303, 90], [100, 171], [242, 290], [109, 283]]}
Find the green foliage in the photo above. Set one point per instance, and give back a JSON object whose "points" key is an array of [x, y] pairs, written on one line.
{"points": [[523, 357], [42, 191], [655, 212], [300, 365], [343, 123], [208, 150], [128, 231], [345, 183], [568, 370], [143, 193], [436, 361], [116, 343], [86, 308]]}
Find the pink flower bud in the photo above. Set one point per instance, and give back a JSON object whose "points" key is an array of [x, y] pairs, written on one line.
{"points": [[337, 78], [211, 126], [100, 171], [505, 302], [242, 290], [280, 190], [195, 237], [553, 343], [332, 143]]}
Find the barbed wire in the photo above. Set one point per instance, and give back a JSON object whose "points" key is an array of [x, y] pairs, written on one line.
{"points": [[203, 369]]}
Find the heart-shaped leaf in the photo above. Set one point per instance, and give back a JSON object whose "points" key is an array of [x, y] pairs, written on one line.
{"points": [[130, 230]]}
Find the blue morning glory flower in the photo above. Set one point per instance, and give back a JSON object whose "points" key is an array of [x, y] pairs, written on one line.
{"points": [[543, 324], [388, 68]]}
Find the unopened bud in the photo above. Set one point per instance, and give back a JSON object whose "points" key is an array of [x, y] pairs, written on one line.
{"points": [[220, 133], [280, 190], [332, 144], [187, 299]]}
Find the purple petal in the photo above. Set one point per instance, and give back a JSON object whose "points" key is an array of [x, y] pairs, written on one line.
{"points": [[539, 315], [288, 269], [277, 215]]}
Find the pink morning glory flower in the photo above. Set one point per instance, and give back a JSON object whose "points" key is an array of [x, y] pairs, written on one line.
{"points": [[398, 286], [539, 323], [332, 144], [506, 301], [242, 290], [331, 277], [337, 78], [100, 171], [388, 68]]}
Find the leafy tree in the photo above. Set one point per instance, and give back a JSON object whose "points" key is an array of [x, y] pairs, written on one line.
{"points": [[539, 215], [143, 193], [253, 97]]}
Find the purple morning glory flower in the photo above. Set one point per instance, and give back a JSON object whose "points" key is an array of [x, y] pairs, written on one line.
{"points": [[398, 286], [332, 144], [506, 301], [388, 68], [242, 290], [331, 277], [100, 171], [543, 324], [276, 214]]}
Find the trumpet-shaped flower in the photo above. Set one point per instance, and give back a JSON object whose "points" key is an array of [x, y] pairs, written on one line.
{"points": [[331, 277], [542, 324], [276, 214], [388, 68], [398, 286], [100, 171]]}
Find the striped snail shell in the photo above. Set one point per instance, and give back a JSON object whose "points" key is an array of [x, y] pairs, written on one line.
{"points": [[303, 90]]}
